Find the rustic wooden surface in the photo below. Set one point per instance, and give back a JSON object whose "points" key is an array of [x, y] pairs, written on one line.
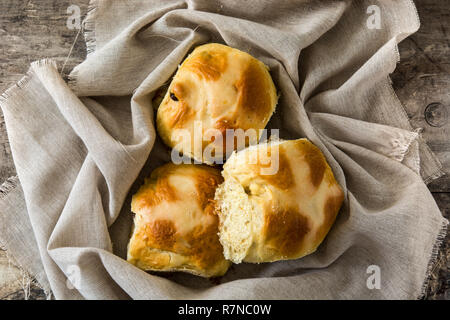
{"points": [[33, 29]]}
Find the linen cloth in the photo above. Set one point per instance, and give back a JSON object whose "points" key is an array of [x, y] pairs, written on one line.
{"points": [[81, 149]]}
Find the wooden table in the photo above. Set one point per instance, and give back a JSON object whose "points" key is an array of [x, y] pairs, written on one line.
{"points": [[34, 29]]}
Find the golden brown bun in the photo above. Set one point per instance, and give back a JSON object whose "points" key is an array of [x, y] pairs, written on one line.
{"points": [[222, 87], [279, 216], [175, 226]]}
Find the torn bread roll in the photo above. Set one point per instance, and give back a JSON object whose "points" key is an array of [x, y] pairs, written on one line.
{"points": [[278, 202], [216, 88], [175, 226]]}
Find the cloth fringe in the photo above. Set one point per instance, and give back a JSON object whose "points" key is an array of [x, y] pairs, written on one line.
{"points": [[436, 175], [10, 184], [417, 158], [401, 146], [19, 84], [27, 280], [89, 27], [44, 62], [10, 92], [433, 259]]}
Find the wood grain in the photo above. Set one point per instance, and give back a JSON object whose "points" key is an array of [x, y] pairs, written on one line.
{"points": [[423, 77], [31, 30]]}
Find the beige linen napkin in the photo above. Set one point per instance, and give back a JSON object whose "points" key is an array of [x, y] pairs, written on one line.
{"points": [[81, 149]]}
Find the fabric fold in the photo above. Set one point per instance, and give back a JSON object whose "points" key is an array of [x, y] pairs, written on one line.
{"points": [[16, 233], [81, 149], [389, 141]]}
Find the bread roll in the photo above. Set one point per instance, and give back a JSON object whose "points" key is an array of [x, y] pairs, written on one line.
{"points": [[281, 215], [175, 227], [216, 88]]}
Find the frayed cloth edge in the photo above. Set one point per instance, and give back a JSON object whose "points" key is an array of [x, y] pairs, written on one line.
{"points": [[27, 279]]}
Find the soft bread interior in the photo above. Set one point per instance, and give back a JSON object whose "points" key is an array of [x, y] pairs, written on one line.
{"points": [[240, 207], [235, 214]]}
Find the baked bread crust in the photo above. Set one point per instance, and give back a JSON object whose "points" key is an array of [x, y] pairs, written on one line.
{"points": [[175, 226], [287, 214], [223, 88]]}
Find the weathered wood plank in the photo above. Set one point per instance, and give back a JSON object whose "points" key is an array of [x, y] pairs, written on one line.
{"points": [[29, 31], [14, 284], [32, 30], [9, 276], [423, 77]]}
